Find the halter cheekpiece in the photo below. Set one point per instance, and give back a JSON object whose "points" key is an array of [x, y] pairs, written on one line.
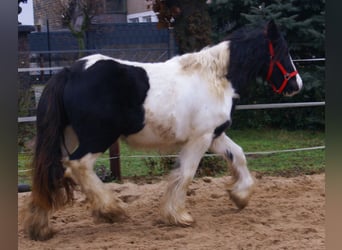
{"points": [[287, 75]]}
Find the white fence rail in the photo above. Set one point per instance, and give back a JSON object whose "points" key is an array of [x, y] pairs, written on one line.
{"points": [[309, 60], [20, 70], [238, 107], [205, 155], [279, 105]]}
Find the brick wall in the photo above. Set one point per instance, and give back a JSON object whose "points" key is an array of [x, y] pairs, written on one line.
{"points": [[134, 6], [109, 18], [51, 10], [47, 9]]}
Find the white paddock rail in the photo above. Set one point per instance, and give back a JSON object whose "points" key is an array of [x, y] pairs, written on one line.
{"points": [[238, 107], [20, 70]]}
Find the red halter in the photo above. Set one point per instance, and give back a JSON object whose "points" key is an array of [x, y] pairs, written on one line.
{"points": [[287, 76]]}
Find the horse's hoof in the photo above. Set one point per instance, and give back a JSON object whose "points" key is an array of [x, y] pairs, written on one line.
{"points": [[36, 222], [42, 234], [116, 214], [240, 202], [241, 197], [184, 219]]}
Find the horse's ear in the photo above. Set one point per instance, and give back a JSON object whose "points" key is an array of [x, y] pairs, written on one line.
{"points": [[272, 31]]}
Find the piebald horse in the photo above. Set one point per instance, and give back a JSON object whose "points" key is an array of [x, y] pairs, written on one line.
{"points": [[185, 102]]}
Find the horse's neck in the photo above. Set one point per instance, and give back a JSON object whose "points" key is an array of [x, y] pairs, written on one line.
{"points": [[245, 63]]}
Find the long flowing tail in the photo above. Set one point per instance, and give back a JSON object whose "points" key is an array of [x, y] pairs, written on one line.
{"points": [[49, 187]]}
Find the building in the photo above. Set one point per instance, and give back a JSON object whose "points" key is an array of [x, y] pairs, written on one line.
{"points": [[108, 11], [121, 29], [140, 12]]}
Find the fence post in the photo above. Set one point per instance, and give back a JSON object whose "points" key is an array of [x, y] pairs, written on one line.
{"points": [[114, 154], [171, 43]]}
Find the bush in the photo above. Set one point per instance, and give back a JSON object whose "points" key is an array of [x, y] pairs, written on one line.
{"points": [[208, 166], [103, 173]]}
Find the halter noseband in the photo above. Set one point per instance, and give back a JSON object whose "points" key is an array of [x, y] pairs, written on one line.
{"points": [[287, 76]]}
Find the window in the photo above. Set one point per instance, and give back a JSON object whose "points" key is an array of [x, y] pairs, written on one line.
{"points": [[116, 6], [134, 20], [147, 19]]}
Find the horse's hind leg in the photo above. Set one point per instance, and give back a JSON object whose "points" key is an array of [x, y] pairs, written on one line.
{"points": [[242, 185], [106, 207], [173, 208], [36, 221]]}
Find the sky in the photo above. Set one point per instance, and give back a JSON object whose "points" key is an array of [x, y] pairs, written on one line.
{"points": [[26, 15]]}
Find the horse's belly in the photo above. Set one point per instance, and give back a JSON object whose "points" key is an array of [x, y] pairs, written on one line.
{"points": [[155, 136]]}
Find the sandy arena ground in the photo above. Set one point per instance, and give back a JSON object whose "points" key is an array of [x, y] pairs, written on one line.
{"points": [[283, 213]]}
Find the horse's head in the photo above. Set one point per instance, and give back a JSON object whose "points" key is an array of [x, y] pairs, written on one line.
{"points": [[281, 73]]}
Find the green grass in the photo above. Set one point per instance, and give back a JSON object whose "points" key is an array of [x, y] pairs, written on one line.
{"points": [[287, 163], [24, 172], [272, 139]]}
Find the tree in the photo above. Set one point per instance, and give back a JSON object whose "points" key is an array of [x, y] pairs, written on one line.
{"points": [[77, 16], [302, 22], [190, 20], [303, 25], [226, 16]]}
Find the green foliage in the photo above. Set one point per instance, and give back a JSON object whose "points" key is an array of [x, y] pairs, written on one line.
{"points": [[212, 166], [77, 16], [189, 19], [303, 25], [26, 103], [103, 173], [159, 166], [193, 27], [226, 16], [208, 166]]}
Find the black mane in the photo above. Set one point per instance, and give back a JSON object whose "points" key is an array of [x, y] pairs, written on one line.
{"points": [[249, 54]]}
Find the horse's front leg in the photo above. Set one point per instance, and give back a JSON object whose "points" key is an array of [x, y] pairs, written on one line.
{"points": [[173, 208], [241, 187]]}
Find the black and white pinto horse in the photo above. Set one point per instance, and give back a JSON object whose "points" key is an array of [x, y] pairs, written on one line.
{"points": [[185, 102]]}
